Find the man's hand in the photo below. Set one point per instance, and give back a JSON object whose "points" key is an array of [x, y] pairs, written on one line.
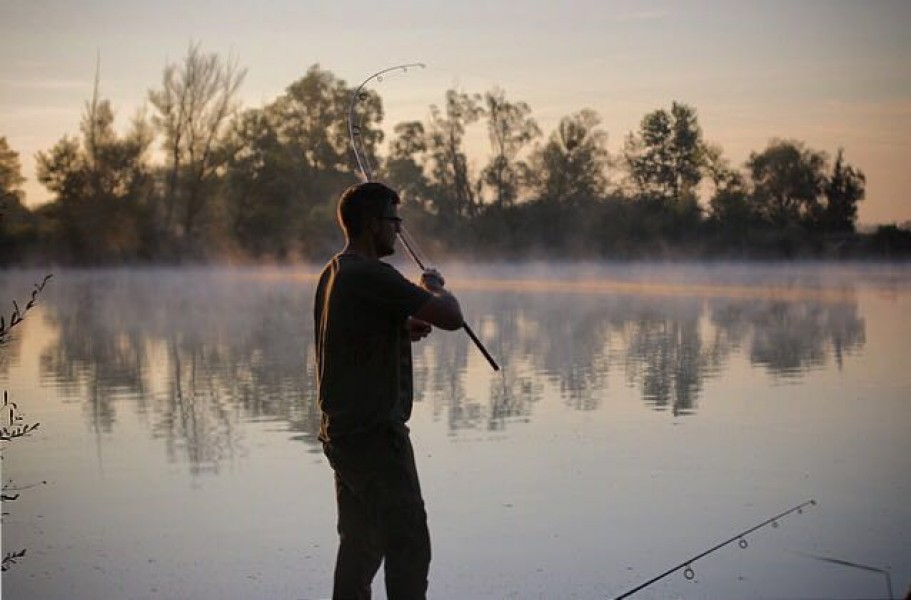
{"points": [[432, 280], [442, 310], [417, 329]]}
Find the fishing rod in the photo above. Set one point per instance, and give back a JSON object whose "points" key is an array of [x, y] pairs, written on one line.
{"points": [[363, 163], [846, 563], [690, 574], [354, 128]]}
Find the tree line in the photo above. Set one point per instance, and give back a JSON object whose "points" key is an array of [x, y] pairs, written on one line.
{"points": [[196, 178]]}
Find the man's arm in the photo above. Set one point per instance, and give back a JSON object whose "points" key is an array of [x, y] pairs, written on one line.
{"points": [[442, 309]]}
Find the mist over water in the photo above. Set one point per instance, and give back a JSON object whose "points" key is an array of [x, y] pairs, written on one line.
{"points": [[178, 432]]}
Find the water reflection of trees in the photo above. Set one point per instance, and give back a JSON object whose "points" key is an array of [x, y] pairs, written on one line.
{"points": [[668, 346], [561, 338], [195, 354], [100, 353], [666, 355], [790, 338]]}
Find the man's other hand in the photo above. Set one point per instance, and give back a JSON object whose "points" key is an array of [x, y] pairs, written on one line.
{"points": [[417, 329]]}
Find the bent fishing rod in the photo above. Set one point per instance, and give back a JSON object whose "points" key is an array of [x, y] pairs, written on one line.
{"points": [[363, 163], [740, 538]]}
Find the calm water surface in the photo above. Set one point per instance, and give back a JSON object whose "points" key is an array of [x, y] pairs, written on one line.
{"points": [[643, 415]]}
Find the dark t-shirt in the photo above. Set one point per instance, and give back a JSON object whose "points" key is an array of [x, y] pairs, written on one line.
{"points": [[363, 353]]}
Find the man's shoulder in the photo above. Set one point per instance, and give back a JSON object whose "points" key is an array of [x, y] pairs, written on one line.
{"points": [[354, 265]]}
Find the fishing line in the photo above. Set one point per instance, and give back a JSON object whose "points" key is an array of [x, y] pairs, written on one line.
{"points": [[740, 538], [356, 134]]}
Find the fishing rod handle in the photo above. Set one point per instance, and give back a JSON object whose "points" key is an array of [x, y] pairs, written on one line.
{"points": [[477, 342], [475, 339], [411, 248]]}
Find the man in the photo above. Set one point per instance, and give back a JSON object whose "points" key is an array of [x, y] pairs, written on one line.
{"points": [[366, 314]]}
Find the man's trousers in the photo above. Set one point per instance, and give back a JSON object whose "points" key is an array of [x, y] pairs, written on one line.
{"points": [[381, 515]]}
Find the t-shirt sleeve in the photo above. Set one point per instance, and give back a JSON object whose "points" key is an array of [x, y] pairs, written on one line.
{"points": [[391, 292]]}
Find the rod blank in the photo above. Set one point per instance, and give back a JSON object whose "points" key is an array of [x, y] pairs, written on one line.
{"points": [[740, 536]]}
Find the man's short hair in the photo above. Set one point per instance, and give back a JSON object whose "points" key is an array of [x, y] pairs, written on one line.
{"points": [[361, 202]]}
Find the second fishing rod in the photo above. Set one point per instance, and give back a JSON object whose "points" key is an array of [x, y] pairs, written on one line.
{"points": [[354, 132]]}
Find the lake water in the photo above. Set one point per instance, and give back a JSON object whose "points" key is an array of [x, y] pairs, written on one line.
{"points": [[644, 414]]}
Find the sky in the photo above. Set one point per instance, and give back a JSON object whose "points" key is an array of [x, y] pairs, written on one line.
{"points": [[829, 74]]}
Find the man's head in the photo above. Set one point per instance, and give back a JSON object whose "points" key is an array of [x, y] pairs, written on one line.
{"points": [[368, 211]]}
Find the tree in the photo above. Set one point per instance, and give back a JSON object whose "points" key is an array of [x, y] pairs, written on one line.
{"points": [[10, 174], [454, 192], [312, 116], [261, 187], [729, 204], [16, 222], [102, 184], [116, 166], [788, 180], [403, 168], [510, 128], [718, 169], [572, 165], [665, 159], [194, 106], [288, 161], [843, 190], [311, 121]]}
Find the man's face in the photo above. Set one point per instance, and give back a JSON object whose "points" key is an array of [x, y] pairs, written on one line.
{"points": [[389, 224]]}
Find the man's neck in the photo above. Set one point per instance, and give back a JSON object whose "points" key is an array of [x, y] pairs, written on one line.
{"points": [[362, 248]]}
